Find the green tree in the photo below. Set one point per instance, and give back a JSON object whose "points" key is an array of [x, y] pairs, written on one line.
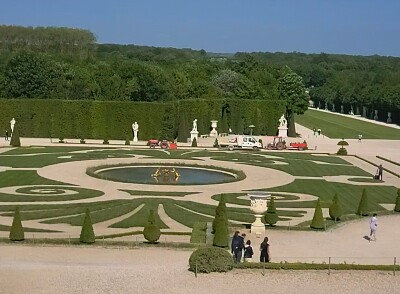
{"points": [[15, 140], [271, 216], [17, 231], [87, 233], [151, 231], [292, 91], [318, 218], [194, 142], [363, 206], [220, 214], [397, 206], [335, 210]]}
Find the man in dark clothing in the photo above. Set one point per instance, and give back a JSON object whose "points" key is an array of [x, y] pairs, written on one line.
{"points": [[380, 171], [237, 247], [6, 136]]}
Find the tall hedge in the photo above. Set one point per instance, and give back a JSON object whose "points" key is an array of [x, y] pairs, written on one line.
{"points": [[87, 233], [363, 206], [17, 231], [318, 218], [86, 119], [397, 206]]}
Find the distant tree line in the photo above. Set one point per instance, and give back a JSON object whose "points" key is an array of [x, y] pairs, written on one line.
{"points": [[63, 63]]}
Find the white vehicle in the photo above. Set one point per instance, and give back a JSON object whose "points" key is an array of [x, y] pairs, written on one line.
{"points": [[241, 142]]}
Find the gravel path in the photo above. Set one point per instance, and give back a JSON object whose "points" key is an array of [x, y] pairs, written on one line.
{"points": [[98, 270]]}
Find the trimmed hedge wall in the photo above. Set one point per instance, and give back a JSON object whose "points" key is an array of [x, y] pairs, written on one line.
{"points": [[113, 120]]}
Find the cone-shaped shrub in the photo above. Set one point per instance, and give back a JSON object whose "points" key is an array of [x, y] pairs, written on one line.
{"points": [[335, 210], [127, 141], [221, 236], [318, 219], [363, 207], [151, 231], [87, 234], [15, 141], [17, 231], [220, 214], [194, 142], [397, 206], [216, 143], [152, 217], [271, 217]]}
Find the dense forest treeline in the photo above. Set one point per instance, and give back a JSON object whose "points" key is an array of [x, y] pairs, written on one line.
{"points": [[68, 64]]}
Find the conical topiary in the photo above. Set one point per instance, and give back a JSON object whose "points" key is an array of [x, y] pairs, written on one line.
{"points": [[220, 214], [363, 207], [87, 233], [216, 143], [127, 141], [17, 231], [335, 210], [318, 219], [194, 142], [151, 231], [15, 140], [397, 206], [221, 236], [271, 217]]}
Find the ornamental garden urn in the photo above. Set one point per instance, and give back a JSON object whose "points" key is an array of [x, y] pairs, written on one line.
{"points": [[258, 205]]}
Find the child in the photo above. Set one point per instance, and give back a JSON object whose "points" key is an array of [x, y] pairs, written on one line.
{"points": [[248, 251]]}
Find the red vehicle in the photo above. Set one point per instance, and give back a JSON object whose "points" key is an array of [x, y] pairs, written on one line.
{"points": [[164, 144], [298, 146]]}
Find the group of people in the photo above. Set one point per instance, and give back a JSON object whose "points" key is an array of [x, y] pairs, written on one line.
{"points": [[317, 132], [241, 248]]}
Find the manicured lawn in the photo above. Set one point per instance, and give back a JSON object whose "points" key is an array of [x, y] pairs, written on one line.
{"points": [[337, 126]]}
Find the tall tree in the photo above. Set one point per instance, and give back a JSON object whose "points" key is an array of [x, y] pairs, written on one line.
{"points": [[292, 91]]}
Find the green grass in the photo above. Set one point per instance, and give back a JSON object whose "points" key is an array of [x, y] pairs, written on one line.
{"points": [[350, 195], [337, 126], [365, 180], [11, 178], [157, 193]]}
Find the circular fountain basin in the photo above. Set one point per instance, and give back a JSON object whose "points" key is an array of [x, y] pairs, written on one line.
{"points": [[148, 175]]}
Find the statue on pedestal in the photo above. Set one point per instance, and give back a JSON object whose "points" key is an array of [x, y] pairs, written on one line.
{"points": [[12, 123], [194, 125], [282, 121]]}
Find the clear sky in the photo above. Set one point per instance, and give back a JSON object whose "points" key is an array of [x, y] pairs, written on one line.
{"points": [[360, 27]]}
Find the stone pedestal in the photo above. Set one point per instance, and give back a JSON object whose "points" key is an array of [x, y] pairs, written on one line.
{"points": [[258, 205], [282, 132], [193, 134], [135, 138], [214, 132]]}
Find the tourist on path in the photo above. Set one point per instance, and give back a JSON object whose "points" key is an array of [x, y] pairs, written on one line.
{"points": [[6, 136], [380, 172], [265, 255], [237, 247], [373, 225], [359, 138], [248, 251]]}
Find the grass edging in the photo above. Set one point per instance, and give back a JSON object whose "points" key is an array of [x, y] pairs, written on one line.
{"points": [[388, 160], [374, 164], [316, 266]]}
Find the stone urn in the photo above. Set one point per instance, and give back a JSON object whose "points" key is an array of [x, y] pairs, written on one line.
{"points": [[258, 205], [214, 132]]}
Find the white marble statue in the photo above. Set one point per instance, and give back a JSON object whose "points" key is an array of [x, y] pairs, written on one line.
{"points": [[194, 125], [135, 129], [282, 121], [12, 123]]}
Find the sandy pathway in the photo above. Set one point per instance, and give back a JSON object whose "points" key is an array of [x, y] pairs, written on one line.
{"points": [[97, 270]]}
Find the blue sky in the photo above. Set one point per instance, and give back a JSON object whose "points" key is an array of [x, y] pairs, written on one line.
{"points": [[360, 27]]}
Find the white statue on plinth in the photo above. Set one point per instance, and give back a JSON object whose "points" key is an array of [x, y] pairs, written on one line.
{"points": [[194, 125], [282, 121], [135, 129], [12, 123]]}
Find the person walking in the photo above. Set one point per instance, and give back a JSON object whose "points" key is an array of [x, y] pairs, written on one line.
{"points": [[359, 138], [373, 225], [237, 246], [380, 172], [265, 255], [6, 136], [248, 251]]}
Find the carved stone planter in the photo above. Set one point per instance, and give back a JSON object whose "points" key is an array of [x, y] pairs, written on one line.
{"points": [[258, 205]]}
